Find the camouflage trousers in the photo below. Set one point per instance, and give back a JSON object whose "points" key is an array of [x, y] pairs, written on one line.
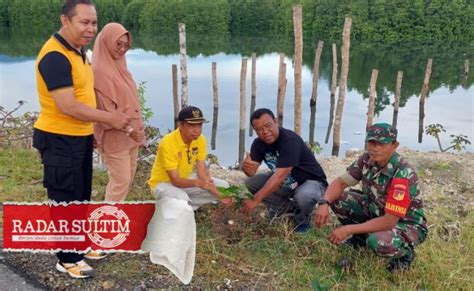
{"points": [[353, 207]]}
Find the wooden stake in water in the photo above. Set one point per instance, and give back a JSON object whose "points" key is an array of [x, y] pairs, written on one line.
{"points": [[253, 95], [282, 81], [314, 93], [424, 92], [372, 95], [466, 71], [396, 102], [184, 67], [216, 106], [243, 80], [333, 91], [346, 43], [298, 32], [466, 67], [174, 69]]}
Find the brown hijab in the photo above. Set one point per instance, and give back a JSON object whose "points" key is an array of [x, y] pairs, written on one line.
{"points": [[115, 88]]}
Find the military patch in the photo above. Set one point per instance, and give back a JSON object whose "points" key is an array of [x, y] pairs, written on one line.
{"points": [[398, 194], [398, 197]]}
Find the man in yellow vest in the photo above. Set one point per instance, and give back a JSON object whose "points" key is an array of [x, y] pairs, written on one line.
{"points": [[63, 133]]}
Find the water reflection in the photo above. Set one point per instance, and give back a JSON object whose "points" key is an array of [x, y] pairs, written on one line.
{"points": [[449, 101]]}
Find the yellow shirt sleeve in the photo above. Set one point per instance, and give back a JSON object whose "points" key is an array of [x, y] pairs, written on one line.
{"points": [[168, 156]]}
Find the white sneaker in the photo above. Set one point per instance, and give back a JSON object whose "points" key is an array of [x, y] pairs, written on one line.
{"points": [[78, 270]]}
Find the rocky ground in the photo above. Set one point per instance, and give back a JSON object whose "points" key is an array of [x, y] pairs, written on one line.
{"points": [[443, 177]]}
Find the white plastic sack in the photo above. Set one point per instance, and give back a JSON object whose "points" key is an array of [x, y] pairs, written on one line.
{"points": [[171, 237]]}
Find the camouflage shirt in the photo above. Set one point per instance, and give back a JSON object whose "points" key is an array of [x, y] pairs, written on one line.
{"points": [[392, 189]]}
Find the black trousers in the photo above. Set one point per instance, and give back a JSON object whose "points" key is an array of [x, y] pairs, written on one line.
{"points": [[67, 169]]}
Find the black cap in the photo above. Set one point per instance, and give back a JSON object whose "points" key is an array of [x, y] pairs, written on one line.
{"points": [[191, 114]]}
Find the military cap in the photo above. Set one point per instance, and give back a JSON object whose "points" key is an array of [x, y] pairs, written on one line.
{"points": [[381, 132]]}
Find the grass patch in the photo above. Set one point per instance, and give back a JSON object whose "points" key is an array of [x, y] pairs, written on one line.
{"points": [[269, 255], [21, 175]]}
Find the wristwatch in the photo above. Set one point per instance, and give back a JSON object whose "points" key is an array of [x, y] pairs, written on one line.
{"points": [[323, 201]]}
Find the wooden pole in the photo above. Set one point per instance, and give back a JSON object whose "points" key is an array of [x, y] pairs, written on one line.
{"points": [[314, 93], [184, 67], [396, 103], [333, 91], [174, 69], [282, 81], [372, 96], [216, 105], [346, 43], [254, 90], [424, 92], [466, 72], [372, 93], [298, 32], [243, 79]]}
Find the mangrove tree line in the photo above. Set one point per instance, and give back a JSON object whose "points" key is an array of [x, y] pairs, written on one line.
{"points": [[383, 21]]}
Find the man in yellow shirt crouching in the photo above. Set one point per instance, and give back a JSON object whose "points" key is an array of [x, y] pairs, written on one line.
{"points": [[179, 153]]}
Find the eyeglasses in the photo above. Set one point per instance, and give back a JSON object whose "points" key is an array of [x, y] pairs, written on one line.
{"points": [[122, 45], [267, 126]]}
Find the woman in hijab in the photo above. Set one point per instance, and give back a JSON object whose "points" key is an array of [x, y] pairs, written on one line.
{"points": [[116, 89]]}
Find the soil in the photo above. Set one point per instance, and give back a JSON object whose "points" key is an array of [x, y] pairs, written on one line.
{"points": [[442, 176]]}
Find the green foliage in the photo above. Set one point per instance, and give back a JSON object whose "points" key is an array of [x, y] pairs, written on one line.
{"points": [[35, 15], [147, 112], [376, 21], [131, 15], [458, 142], [314, 147], [109, 11], [251, 17], [200, 16], [152, 133], [4, 15], [238, 193]]}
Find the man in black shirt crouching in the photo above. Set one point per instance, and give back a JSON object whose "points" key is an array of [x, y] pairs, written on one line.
{"points": [[295, 181]]}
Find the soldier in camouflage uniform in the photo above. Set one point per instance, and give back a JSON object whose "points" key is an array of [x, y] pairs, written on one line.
{"points": [[387, 215]]}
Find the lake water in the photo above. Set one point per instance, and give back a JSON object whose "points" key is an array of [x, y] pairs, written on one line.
{"points": [[450, 103]]}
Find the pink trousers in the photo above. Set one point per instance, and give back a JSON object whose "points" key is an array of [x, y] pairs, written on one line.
{"points": [[121, 168]]}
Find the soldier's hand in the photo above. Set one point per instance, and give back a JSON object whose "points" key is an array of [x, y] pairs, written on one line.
{"points": [[321, 215], [338, 235]]}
